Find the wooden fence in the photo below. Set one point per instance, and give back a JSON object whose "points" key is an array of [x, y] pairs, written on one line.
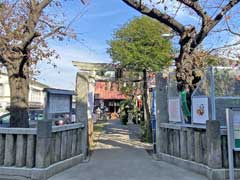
{"points": [[191, 143], [20, 147]]}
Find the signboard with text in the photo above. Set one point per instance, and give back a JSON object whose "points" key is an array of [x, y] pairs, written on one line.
{"points": [[236, 129], [233, 135], [57, 101], [174, 110]]}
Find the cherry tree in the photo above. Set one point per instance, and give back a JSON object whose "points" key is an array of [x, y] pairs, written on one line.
{"points": [[25, 28], [192, 21]]}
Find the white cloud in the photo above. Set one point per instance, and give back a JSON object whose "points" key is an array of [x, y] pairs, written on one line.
{"points": [[105, 14], [63, 76]]}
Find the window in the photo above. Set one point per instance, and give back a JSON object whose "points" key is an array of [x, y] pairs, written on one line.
{"points": [[35, 95]]}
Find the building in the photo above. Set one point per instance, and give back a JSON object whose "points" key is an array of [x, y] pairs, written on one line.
{"points": [[107, 94], [36, 94], [104, 88]]}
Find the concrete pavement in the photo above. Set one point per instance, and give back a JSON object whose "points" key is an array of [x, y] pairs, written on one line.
{"points": [[119, 155]]}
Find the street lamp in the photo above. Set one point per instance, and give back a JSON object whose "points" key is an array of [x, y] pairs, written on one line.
{"points": [[167, 35]]}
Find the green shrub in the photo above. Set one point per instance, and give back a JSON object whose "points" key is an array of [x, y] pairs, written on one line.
{"points": [[124, 119]]}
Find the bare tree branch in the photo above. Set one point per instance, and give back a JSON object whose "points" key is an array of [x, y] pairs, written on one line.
{"points": [[156, 14], [209, 24], [34, 15], [196, 7], [225, 46], [230, 30]]}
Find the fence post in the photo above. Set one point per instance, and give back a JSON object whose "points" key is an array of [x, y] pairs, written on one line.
{"points": [[43, 147], [214, 153], [82, 88], [161, 111]]}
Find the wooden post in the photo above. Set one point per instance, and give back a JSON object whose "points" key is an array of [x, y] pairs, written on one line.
{"points": [[204, 147], [20, 151], [190, 144], [9, 157], [58, 147], [74, 143], [64, 145], [198, 153], [53, 150], [31, 144], [69, 143], [2, 148], [183, 144]]}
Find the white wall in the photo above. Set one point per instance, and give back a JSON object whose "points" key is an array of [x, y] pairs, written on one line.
{"points": [[36, 94]]}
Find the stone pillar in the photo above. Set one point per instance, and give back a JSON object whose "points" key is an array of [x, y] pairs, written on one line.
{"points": [[161, 111], [91, 117], [43, 146], [82, 89], [91, 89], [214, 154]]}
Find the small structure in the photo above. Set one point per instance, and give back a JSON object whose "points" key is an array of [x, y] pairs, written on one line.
{"points": [[103, 90], [107, 94], [58, 102]]}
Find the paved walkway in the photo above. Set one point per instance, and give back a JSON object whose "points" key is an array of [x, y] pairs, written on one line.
{"points": [[119, 155]]}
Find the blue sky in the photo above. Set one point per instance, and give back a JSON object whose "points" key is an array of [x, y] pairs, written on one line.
{"points": [[94, 28]]}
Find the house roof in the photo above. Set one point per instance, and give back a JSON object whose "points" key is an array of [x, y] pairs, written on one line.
{"points": [[108, 90], [59, 91], [32, 81], [37, 83]]}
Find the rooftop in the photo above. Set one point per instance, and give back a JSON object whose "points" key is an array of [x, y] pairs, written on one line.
{"points": [[108, 90]]}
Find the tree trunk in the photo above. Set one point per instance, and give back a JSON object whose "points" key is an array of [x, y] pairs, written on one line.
{"points": [[185, 62], [19, 88], [147, 116]]}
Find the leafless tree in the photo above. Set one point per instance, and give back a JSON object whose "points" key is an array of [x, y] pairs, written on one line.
{"points": [[208, 16], [25, 27]]}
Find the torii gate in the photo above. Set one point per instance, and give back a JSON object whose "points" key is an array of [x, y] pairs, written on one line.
{"points": [[90, 71], [85, 85]]}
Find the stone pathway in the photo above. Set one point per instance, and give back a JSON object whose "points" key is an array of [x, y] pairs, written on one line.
{"points": [[119, 155]]}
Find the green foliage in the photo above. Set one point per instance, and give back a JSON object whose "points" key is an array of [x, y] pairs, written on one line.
{"points": [[125, 110], [129, 88], [139, 45], [144, 137]]}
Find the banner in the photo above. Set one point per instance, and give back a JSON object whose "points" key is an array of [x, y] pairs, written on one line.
{"points": [[174, 110], [200, 110]]}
